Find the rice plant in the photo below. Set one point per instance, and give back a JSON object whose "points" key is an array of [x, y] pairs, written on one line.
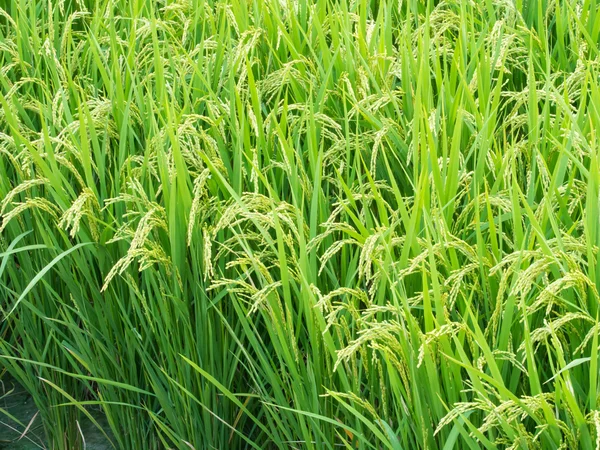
{"points": [[365, 224]]}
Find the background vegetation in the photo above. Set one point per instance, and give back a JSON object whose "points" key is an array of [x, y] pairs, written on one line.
{"points": [[303, 224]]}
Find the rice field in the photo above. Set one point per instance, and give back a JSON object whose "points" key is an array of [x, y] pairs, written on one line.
{"points": [[293, 224]]}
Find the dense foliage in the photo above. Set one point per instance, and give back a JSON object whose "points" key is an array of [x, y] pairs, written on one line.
{"points": [[303, 224]]}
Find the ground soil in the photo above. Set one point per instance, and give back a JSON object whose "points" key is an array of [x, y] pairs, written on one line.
{"points": [[15, 401]]}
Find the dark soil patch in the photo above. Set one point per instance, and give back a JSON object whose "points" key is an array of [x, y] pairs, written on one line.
{"points": [[15, 401]]}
